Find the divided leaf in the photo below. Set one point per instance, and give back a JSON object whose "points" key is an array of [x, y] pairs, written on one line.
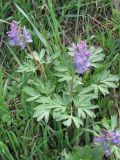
{"points": [[103, 81], [96, 56]]}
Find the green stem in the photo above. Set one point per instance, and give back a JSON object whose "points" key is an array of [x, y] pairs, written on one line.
{"points": [[71, 87], [1, 88], [71, 93], [41, 69]]}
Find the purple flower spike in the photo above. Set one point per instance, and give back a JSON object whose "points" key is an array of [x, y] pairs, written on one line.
{"points": [[17, 36], [107, 138], [81, 55]]}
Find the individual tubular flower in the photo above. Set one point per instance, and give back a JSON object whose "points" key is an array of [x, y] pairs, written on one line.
{"points": [[81, 55], [106, 138], [17, 36]]}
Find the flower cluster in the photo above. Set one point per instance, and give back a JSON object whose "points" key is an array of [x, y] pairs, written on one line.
{"points": [[106, 138], [18, 36], [81, 55]]}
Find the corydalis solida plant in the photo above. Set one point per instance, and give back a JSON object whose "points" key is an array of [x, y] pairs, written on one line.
{"points": [[76, 103], [21, 37], [68, 112], [81, 57], [18, 36]]}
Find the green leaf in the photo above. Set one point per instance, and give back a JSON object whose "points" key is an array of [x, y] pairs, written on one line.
{"points": [[86, 90], [30, 91], [96, 56], [33, 98], [41, 113], [77, 121], [38, 56], [47, 105], [4, 151], [63, 77], [103, 89], [103, 81], [27, 67], [113, 122], [68, 122], [90, 113], [60, 68]]}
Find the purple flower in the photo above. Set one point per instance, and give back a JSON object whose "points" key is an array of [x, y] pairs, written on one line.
{"points": [[107, 138], [17, 36], [115, 137], [81, 55]]}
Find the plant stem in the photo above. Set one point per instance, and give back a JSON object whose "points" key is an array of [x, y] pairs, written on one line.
{"points": [[41, 69], [71, 86], [1, 88]]}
